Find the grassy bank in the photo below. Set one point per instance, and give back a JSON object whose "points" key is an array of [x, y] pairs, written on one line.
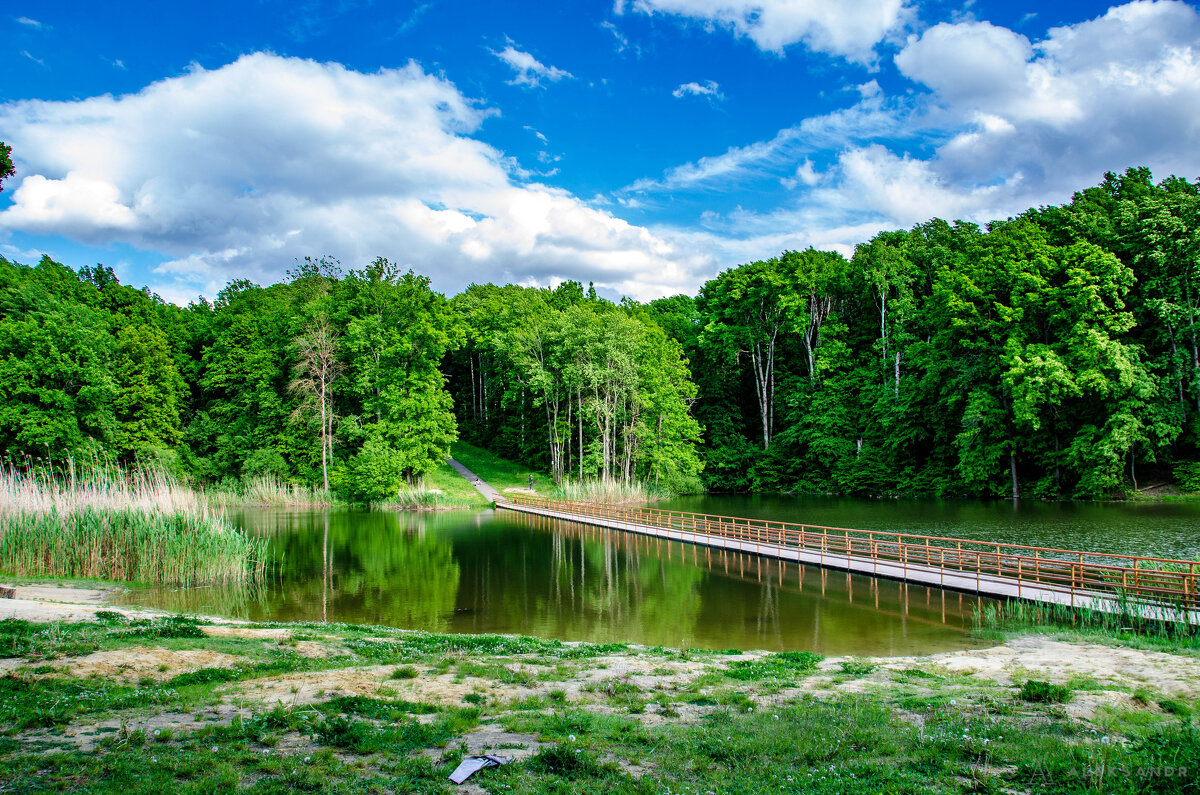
{"points": [[509, 476], [442, 489], [107, 523], [117, 705], [501, 473]]}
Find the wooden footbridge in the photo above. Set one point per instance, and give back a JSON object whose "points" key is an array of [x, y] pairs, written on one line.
{"points": [[1151, 587]]}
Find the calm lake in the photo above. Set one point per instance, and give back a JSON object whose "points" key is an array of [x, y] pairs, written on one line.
{"points": [[501, 572]]}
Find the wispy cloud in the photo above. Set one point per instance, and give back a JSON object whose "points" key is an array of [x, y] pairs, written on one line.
{"points": [[31, 57], [709, 90], [622, 42], [527, 70], [32, 23], [413, 18]]}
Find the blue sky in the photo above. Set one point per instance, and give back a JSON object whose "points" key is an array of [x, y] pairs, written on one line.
{"points": [[643, 144]]}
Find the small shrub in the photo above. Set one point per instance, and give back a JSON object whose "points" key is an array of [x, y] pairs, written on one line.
{"points": [[568, 762], [405, 672], [857, 666], [1044, 692]]}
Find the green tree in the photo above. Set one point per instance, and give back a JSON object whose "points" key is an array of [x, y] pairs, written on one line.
{"points": [[7, 169], [316, 369], [149, 391]]}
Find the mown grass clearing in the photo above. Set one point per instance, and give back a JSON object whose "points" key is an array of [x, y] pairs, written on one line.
{"points": [[499, 472]]}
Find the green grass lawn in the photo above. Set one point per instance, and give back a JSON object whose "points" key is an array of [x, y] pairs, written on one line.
{"points": [[454, 487], [499, 472]]}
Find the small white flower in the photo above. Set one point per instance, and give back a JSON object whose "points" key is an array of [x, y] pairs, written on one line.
{"points": [[571, 737], [1104, 740], [306, 759], [953, 702], [154, 759], [157, 732], [214, 749]]}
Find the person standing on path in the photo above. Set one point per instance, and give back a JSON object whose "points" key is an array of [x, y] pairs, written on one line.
{"points": [[531, 481]]}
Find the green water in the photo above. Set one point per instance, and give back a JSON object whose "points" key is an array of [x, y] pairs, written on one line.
{"points": [[502, 572]]}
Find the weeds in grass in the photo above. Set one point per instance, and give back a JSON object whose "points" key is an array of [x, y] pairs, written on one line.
{"points": [[857, 666], [784, 665]]}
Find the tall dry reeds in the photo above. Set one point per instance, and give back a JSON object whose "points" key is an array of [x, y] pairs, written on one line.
{"points": [[268, 492], [611, 492], [106, 522]]}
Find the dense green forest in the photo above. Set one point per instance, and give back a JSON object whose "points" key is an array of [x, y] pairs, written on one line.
{"points": [[1054, 354]]}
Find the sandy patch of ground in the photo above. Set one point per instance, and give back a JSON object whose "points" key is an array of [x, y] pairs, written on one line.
{"points": [[42, 612], [58, 593], [156, 663], [1039, 657]]}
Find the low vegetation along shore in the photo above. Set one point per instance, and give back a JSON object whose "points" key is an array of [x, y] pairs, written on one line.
{"points": [[113, 524], [130, 702]]}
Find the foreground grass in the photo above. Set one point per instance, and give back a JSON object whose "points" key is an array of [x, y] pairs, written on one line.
{"points": [[336, 708]]}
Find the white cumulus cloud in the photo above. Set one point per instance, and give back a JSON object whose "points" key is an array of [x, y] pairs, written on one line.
{"points": [[848, 28], [238, 171], [997, 123]]}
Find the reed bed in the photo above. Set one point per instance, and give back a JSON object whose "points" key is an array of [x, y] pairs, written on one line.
{"points": [[421, 498], [1161, 623], [268, 492], [107, 522], [611, 492]]}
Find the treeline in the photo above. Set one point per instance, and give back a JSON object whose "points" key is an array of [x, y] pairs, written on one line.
{"points": [[335, 380], [1051, 355], [576, 385]]}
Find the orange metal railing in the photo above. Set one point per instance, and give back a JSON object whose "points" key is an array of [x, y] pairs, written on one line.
{"points": [[1081, 574]]}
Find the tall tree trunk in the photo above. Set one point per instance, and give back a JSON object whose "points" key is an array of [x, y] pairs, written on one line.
{"points": [[474, 402], [1195, 344], [1012, 468], [324, 441]]}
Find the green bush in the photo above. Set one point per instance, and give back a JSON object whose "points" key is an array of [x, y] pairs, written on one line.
{"points": [[1187, 475], [1045, 692], [266, 462]]}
